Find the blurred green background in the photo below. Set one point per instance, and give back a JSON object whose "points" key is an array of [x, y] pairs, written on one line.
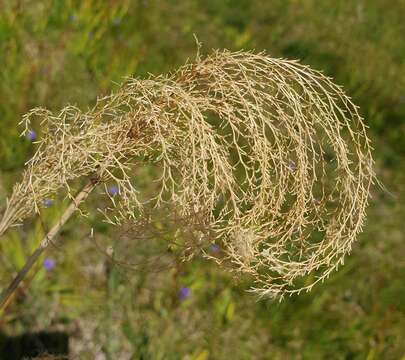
{"points": [[57, 52]]}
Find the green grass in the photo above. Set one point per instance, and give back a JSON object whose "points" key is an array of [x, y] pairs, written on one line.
{"points": [[58, 52]]}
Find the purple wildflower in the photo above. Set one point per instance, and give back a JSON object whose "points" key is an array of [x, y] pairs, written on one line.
{"points": [[47, 203], [49, 264], [292, 165], [113, 190], [31, 135], [73, 18], [44, 70], [214, 248], [317, 201], [184, 293]]}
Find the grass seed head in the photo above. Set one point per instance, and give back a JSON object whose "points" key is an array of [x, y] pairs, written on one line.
{"points": [[271, 156]]}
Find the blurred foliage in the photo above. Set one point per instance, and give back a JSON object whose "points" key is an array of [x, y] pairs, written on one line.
{"points": [[57, 52]]}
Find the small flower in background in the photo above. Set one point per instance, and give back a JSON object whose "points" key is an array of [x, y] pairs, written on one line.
{"points": [[214, 248], [31, 135], [43, 70], [110, 251], [184, 293], [49, 264], [292, 165], [113, 190], [317, 201], [47, 203], [116, 21], [73, 18]]}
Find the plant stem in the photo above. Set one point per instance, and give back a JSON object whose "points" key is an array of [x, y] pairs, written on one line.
{"points": [[7, 294]]}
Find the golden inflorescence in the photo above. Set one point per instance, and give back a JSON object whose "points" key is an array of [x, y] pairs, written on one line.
{"points": [[270, 154]]}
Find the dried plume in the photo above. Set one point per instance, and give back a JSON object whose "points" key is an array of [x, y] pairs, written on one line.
{"points": [[270, 155]]}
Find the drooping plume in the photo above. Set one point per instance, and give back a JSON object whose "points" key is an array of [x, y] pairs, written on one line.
{"points": [[270, 155]]}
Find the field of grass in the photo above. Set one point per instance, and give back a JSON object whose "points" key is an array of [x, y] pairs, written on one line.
{"points": [[54, 53]]}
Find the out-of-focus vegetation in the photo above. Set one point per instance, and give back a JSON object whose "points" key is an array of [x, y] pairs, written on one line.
{"points": [[57, 52]]}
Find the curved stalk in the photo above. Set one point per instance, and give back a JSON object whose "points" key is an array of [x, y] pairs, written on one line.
{"points": [[7, 293]]}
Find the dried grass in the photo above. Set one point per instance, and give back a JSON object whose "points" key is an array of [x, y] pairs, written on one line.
{"points": [[272, 155]]}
